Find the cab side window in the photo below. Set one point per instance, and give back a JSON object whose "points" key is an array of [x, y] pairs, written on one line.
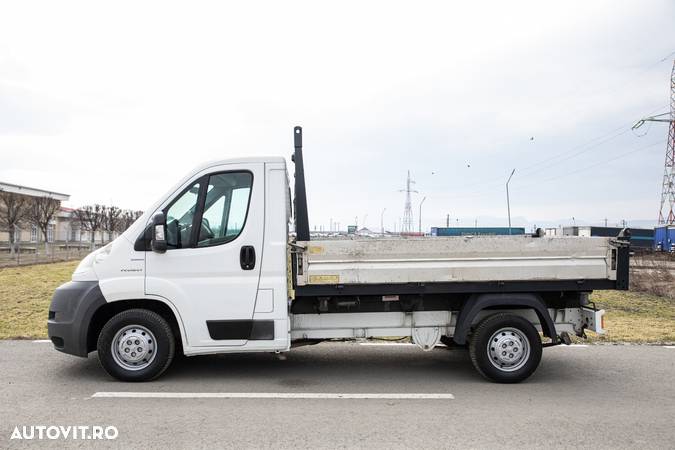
{"points": [[225, 207], [180, 216], [211, 212]]}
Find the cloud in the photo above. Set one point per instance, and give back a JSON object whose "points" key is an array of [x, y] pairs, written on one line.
{"points": [[114, 105], [23, 112]]}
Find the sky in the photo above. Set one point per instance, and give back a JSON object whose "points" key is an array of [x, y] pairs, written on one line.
{"points": [[113, 103]]}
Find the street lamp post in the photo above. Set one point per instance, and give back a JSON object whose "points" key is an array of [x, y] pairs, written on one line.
{"points": [[382, 221], [420, 216], [508, 202]]}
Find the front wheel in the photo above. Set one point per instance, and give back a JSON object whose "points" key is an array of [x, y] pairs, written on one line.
{"points": [[505, 348], [136, 345]]}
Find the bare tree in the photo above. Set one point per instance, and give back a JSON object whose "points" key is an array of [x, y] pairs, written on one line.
{"points": [[92, 219], [41, 211], [15, 208], [112, 220], [128, 218]]}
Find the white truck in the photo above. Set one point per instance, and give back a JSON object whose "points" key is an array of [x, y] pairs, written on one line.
{"points": [[212, 268]]}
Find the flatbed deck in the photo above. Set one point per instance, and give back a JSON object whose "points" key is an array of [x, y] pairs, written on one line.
{"points": [[548, 263]]}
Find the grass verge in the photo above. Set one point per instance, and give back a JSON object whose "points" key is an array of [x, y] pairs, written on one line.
{"points": [[25, 293], [635, 317]]}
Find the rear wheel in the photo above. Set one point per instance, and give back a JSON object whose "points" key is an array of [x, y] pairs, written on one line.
{"points": [[505, 348], [136, 345]]}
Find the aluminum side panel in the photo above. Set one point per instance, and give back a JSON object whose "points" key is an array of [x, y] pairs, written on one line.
{"points": [[455, 259]]}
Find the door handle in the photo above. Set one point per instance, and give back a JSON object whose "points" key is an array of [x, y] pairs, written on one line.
{"points": [[247, 257]]}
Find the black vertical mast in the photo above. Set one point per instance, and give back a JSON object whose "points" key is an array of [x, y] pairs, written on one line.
{"points": [[301, 219]]}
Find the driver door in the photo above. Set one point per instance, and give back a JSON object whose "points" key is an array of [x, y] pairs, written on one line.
{"points": [[211, 269]]}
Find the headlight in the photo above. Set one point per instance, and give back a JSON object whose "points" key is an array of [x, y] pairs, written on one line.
{"points": [[102, 253], [86, 263], [85, 270]]}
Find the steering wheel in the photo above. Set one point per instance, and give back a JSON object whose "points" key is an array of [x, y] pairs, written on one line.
{"points": [[205, 231]]}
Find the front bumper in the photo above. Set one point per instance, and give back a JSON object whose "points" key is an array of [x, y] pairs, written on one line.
{"points": [[70, 313]]}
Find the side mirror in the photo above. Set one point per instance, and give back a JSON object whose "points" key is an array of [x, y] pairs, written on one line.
{"points": [[158, 242]]}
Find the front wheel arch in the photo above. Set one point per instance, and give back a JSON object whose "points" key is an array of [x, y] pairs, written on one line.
{"points": [[104, 313]]}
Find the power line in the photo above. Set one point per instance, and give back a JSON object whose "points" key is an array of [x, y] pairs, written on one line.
{"points": [[571, 153], [621, 155], [590, 166], [603, 139], [632, 80], [622, 129], [586, 146], [567, 156], [664, 59]]}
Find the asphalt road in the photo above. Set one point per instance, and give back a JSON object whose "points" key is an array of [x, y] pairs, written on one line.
{"points": [[596, 396]]}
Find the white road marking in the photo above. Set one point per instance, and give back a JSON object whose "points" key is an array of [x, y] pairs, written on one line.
{"points": [[272, 395], [669, 346], [42, 341]]}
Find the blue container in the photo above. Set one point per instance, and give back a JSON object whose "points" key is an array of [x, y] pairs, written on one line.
{"points": [[476, 231], [664, 238]]}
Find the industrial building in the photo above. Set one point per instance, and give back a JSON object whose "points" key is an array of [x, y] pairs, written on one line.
{"points": [[63, 229]]}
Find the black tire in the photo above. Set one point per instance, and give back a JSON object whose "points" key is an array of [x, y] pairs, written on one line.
{"points": [[508, 372], [161, 351]]}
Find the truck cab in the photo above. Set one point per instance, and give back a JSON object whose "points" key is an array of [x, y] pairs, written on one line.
{"points": [[221, 278]]}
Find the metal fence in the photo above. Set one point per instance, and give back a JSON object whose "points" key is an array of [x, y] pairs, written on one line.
{"points": [[37, 254]]}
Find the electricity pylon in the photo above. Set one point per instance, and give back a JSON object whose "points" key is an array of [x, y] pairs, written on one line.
{"points": [[667, 207], [408, 223]]}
